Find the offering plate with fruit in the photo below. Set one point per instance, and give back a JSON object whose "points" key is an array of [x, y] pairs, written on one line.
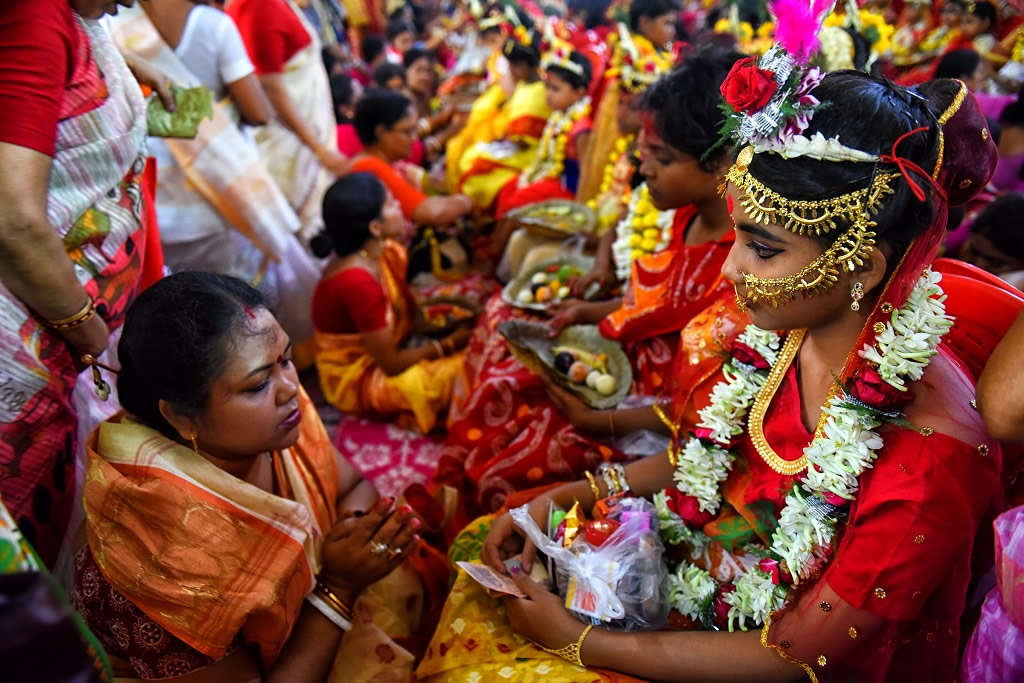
{"points": [[579, 359], [546, 283]]}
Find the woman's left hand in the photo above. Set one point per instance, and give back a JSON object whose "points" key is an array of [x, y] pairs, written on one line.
{"points": [[583, 417], [148, 75], [541, 616]]}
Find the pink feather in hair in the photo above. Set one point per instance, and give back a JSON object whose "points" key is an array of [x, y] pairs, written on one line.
{"points": [[797, 23]]}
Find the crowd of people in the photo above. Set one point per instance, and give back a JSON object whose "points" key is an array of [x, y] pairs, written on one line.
{"points": [[229, 228]]}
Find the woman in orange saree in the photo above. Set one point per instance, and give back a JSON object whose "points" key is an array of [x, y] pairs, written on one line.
{"points": [[224, 534], [506, 433], [364, 312]]}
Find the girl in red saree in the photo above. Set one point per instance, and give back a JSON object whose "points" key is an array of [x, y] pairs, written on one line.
{"points": [[834, 546], [505, 433]]}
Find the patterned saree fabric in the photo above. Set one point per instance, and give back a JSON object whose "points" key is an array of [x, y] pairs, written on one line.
{"points": [[353, 383], [202, 553], [505, 433], [96, 203]]}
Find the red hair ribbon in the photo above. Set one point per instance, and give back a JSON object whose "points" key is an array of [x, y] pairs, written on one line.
{"points": [[907, 167]]}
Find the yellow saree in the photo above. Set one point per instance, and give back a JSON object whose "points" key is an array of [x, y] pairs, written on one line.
{"points": [[353, 383], [486, 167]]}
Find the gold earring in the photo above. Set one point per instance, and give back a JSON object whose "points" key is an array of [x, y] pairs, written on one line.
{"points": [[195, 445], [857, 293]]}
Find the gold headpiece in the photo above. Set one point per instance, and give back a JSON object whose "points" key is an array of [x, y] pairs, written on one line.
{"points": [[638, 71], [558, 55], [802, 217]]}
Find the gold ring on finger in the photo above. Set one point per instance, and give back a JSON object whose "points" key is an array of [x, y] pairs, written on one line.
{"points": [[378, 548], [394, 552]]}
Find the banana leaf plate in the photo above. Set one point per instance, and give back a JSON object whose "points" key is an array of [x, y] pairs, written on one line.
{"points": [[532, 346], [578, 265], [554, 218]]}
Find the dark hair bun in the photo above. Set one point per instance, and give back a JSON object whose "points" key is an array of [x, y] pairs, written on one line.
{"points": [[969, 155]]}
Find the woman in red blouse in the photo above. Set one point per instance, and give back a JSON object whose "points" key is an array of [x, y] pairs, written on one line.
{"points": [[72, 239], [363, 312], [299, 145]]}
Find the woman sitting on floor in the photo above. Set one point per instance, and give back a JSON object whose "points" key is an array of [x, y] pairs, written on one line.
{"points": [[386, 125], [364, 311], [226, 536]]}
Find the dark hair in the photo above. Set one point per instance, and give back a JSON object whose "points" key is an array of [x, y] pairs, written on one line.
{"points": [[573, 79], [685, 104], [958, 63], [397, 27], [385, 71], [650, 9], [379, 108], [515, 51], [415, 54], [1013, 113], [1000, 223], [350, 205], [372, 47], [342, 93], [595, 12], [984, 10], [869, 113], [176, 341], [959, 4]]}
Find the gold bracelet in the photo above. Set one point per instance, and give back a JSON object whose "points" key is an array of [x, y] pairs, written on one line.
{"points": [[571, 653], [330, 597], [614, 474], [593, 486], [782, 653], [84, 315]]}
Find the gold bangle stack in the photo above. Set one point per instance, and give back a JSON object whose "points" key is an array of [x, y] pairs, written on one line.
{"points": [[84, 315], [332, 599], [571, 652], [593, 486]]}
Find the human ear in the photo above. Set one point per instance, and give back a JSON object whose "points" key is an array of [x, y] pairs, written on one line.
{"points": [[377, 228], [186, 427], [872, 273]]}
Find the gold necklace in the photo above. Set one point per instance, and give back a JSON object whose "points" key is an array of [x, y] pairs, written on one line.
{"points": [[755, 425]]}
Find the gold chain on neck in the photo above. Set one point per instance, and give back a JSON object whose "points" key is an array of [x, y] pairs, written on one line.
{"points": [[755, 425]]}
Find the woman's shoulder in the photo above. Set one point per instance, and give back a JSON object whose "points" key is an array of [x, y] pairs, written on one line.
{"points": [[944, 402]]}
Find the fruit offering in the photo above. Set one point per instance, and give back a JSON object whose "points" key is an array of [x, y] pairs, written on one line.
{"points": [[442, 315], [585, 368], [549, 285]]}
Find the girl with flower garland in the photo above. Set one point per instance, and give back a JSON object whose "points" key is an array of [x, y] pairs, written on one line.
{"points": [[506, 433], [825, 502], [554, 171]]}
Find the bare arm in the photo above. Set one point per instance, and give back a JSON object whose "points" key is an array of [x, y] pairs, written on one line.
{"points": [[284, 112], [394, 361], [441, 210], [34, 265], [250, 99], [1001, 387], [354, 492]]}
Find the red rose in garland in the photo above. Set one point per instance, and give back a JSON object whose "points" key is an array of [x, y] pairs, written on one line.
{"points": [[868, 387], [687, 507], [742, 353], [748, 88]]}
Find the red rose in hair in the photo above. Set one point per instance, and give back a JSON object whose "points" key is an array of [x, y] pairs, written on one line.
{"points": [[742, 353], [748, 88], [686, 507], [868, 387]]}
